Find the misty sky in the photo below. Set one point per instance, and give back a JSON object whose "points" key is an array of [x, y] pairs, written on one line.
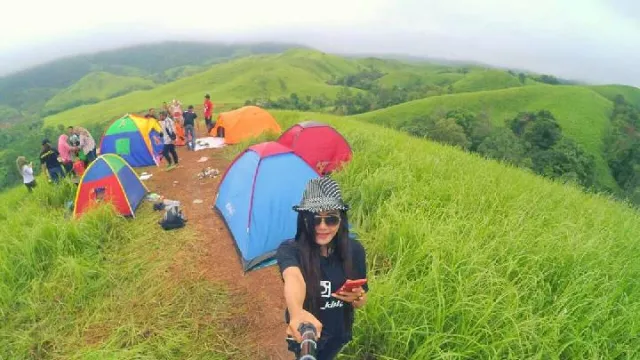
{"points": [[593, 40]]}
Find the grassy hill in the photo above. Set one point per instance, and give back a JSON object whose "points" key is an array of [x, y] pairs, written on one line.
{"points": [[502, 264], [304, 72], [582, 113], [630, 93], [30, 89], [102, 286], [95, 87], [471, 258], [481, 80]]}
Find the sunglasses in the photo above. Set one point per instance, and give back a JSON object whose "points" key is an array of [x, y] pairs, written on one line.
{"points": [[330, 220]]}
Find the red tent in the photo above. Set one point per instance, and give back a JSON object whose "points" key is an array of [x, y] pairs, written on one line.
{"points": [[320, 145]]}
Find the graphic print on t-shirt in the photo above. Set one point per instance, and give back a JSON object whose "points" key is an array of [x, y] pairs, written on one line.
{"points": [[326, 293], [326, 288]]}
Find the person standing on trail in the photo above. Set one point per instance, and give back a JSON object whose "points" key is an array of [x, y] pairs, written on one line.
{"points": [[315, 264], [189, 123], [169, 138], [208, 113]]}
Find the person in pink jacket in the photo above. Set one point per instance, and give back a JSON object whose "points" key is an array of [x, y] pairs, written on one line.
{"points": [[65, 153]]}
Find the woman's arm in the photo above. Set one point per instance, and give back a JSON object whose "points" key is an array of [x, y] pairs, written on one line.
{"points": [[295, 290]]}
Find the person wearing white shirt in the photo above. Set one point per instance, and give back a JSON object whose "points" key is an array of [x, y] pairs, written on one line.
{"points": [[26, 170]]}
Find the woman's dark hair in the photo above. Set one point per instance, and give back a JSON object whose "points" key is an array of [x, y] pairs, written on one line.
{"points": [[309, 252]]}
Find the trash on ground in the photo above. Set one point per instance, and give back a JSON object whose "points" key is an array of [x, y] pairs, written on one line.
{"points": [[153, 197], [197, 201], [145, 176], [203, 159], [208, 173], [169, 203]]}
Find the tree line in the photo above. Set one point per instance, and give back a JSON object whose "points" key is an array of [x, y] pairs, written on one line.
{"points": [[531, 139], [622, 148]]}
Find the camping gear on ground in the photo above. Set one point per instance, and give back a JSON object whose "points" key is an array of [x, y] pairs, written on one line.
{"points": [[319, 144], [173, 218], [255, 199], [110, 179], [134, 138], [208, 143], [244, 123]]}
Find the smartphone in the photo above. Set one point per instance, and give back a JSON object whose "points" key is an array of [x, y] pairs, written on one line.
{"points": [[351, 284]]}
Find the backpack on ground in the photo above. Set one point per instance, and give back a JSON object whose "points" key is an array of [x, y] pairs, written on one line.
{"points": [[173, 218]]}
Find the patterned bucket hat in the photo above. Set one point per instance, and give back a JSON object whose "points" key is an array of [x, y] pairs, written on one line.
{"points": [[321, 194]]}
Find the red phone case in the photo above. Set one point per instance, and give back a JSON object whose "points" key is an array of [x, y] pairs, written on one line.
{"points": [[352, 284]]}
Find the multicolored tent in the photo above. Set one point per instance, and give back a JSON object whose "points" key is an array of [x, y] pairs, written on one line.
{"points": [[135, 138], [255, 199], [246, 122], [109, 179]]}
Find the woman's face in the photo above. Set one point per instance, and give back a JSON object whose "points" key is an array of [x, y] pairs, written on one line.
{"points": [[327, 224]]}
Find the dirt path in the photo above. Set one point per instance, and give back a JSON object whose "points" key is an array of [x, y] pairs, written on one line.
{"points": [[257, 296]]}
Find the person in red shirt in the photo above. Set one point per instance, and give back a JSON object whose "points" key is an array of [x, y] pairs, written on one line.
{"points": [[208, 112]]}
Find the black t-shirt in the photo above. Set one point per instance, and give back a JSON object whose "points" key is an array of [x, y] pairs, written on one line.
{"points": [[332, 312], [50, 158], [189, 118]]}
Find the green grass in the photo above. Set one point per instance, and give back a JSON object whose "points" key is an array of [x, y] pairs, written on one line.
{"points": [[487, 79], [303, 72], [96, 86], [469, 258], [102, 287], [582, 113], [631, 93], [404, 78]]}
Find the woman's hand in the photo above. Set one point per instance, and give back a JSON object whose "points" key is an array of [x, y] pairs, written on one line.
{"points": [[300, 317], [355, 296]]}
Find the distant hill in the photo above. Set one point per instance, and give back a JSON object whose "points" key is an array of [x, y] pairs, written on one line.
{"points": [[93, 88], [630, 93], [29, 90], [301, 71], [381, 90], [582, 113]]}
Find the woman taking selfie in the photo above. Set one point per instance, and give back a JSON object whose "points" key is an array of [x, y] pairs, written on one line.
{"points": [[316, 264]]}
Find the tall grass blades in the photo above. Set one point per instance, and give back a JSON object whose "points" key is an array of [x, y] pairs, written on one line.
{"points": [[473, 259], [102, 286]]}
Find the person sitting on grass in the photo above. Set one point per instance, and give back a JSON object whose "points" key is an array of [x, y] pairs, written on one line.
{"points": [[26, 170], [315, 264]]}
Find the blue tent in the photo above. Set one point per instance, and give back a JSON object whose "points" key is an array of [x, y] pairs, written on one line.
{"points": [[255, 199]]}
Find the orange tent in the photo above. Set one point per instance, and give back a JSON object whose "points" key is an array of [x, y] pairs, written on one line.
{"points": [[244, 123]]}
